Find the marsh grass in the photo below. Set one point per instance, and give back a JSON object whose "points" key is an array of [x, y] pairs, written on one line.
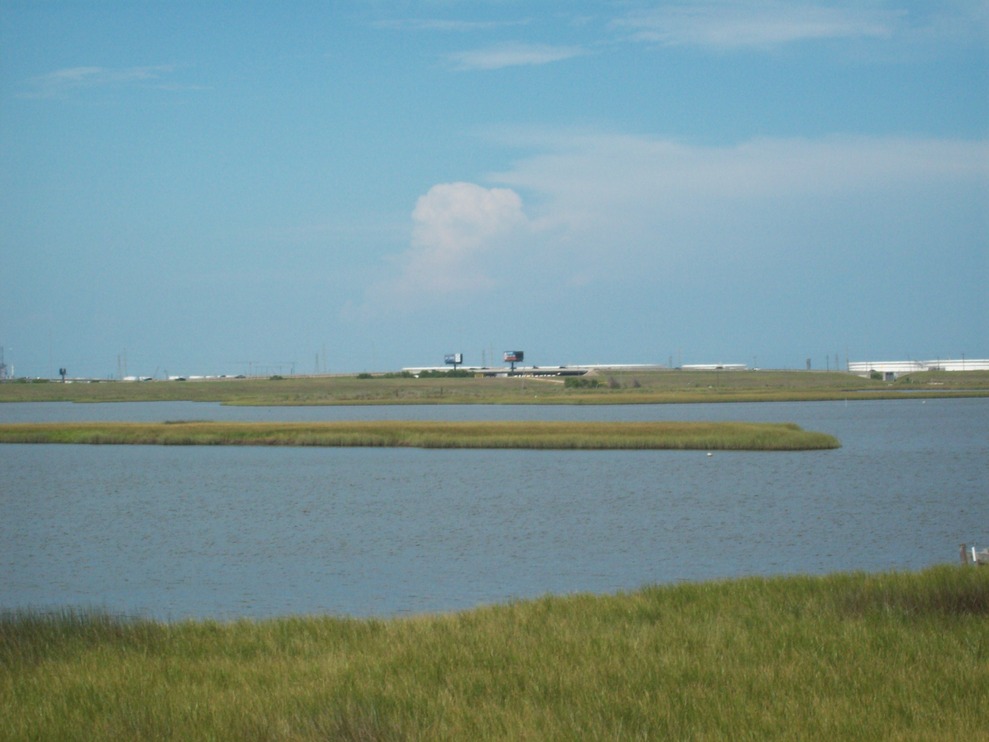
{"points": [[846, 657], [434, 434]]}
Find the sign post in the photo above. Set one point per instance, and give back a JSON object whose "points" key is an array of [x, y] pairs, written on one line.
{"points": [[513, 357]]}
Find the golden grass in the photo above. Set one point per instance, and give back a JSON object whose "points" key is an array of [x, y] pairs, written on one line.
{"points": [[434, 434]]}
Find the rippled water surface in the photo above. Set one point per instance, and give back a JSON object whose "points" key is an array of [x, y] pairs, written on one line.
{"points": [[222, 532]]}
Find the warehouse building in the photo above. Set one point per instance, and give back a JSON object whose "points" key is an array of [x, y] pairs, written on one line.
{"points": [[890, 370]]}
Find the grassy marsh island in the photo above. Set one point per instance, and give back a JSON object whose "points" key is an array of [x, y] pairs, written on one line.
{"points": [[648, 386], [844, 657], [722, 436]]}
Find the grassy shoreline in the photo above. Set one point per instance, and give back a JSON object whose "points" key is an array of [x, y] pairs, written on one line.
{"points": [[620, 387], [846, 656], [721, 436]]}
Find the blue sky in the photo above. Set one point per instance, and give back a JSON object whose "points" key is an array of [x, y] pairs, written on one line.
{"points": [[218, 188]]}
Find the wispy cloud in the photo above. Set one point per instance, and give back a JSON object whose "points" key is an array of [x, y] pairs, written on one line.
{"points": [[512, 55], [445, 24], [754, 23], [71, 79], [582, 174], [619, 204]]}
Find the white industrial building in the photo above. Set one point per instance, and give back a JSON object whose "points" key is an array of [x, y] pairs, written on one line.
{"points": [[892, 369]]}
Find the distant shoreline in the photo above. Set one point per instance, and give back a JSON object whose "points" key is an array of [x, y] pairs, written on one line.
{"points": [[616, 387]]}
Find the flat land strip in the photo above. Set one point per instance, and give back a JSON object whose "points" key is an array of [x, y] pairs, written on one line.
{"points": [[604, 387], [841, 657], [721, 436]]}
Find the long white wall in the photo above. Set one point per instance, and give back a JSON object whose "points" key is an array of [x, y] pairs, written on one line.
{"points": [[864, 368]]}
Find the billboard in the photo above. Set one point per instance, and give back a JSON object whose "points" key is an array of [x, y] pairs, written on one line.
{"points": [[513, 356], [453, 358]]}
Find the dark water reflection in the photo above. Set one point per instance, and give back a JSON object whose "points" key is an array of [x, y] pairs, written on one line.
{"points": [[230, 532]]}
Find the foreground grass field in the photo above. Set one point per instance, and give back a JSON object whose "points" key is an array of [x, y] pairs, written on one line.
{"points": [[842, 657], [722, 436], [620, 387]]}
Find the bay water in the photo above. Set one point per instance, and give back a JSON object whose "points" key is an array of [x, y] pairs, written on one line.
{"points": [[233, 532]]}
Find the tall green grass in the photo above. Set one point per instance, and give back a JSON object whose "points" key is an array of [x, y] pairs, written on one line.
{"points": [[434, 434], [843, 657]]}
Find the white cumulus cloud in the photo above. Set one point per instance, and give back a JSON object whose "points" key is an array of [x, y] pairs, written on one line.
{"points": [[458, 231], [455, 218]]}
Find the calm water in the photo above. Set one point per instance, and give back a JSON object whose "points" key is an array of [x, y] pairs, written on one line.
{"points": [[230, 532]]}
